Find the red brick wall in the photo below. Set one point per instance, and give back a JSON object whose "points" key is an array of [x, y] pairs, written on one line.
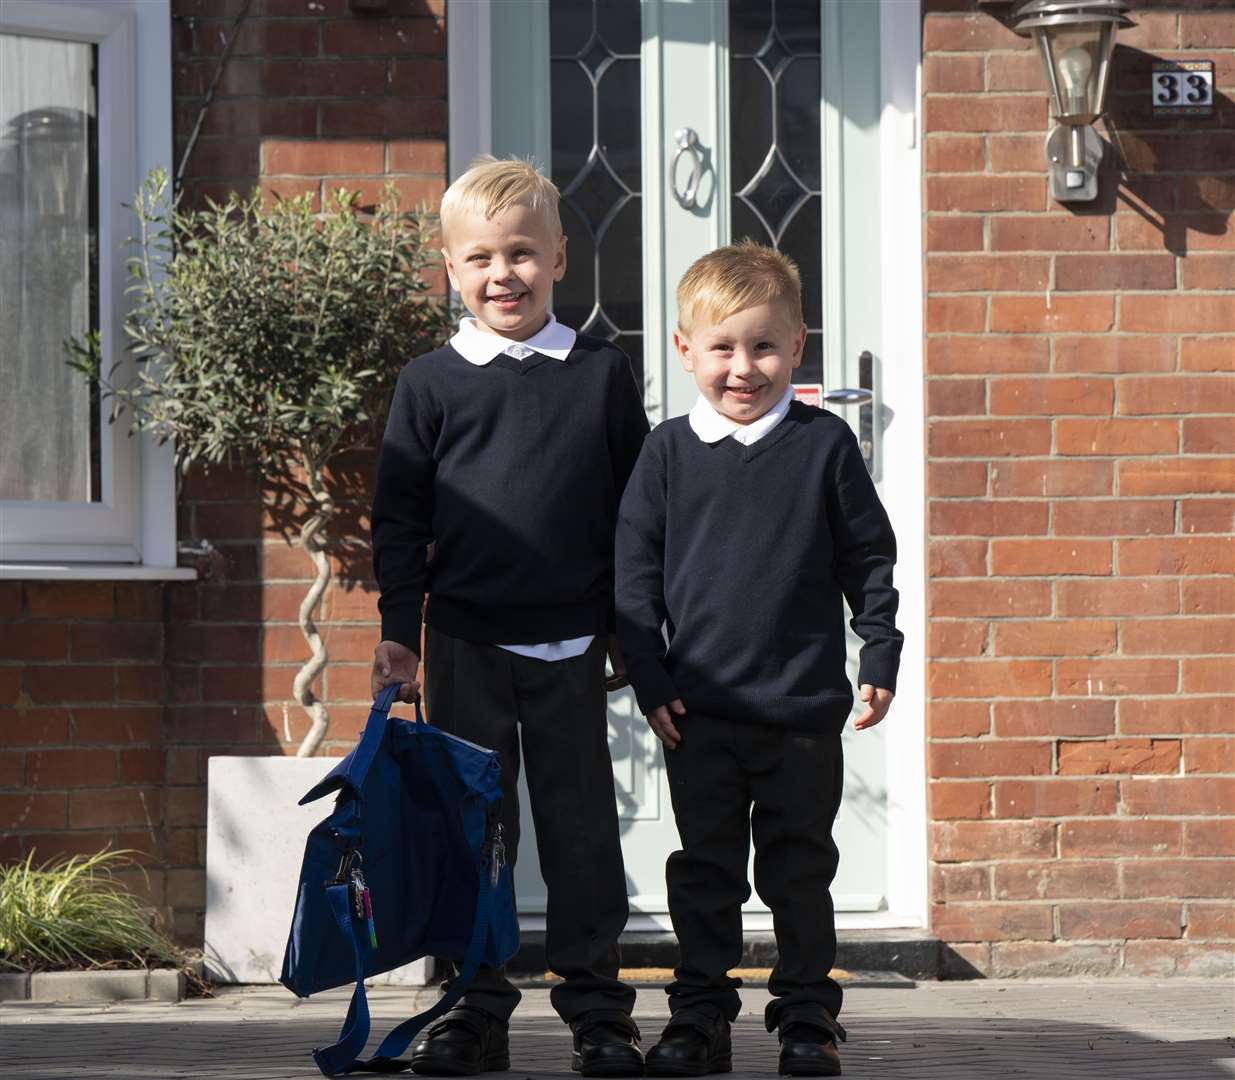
{"points": [[114, 695], [1080, 480]]}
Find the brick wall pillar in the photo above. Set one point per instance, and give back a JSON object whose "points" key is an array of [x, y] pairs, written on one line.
{"points": [[1080, 484]]}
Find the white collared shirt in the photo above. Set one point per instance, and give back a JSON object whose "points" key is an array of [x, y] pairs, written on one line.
{"points": [[480, 347], [711, 426]]}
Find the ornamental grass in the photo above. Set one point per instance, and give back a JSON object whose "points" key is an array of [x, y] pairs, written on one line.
{"points": [[72, 913]]}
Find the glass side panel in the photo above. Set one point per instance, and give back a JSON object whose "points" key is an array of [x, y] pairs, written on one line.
{"points": [[596, 162], [774, 132], [49, 419]]}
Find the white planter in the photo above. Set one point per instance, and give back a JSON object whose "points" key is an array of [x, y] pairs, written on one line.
{"points": [[255, 837]]}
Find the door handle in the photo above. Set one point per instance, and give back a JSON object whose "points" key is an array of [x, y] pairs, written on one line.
{"points": [[848, 396], [862, 395], [688, 143]]}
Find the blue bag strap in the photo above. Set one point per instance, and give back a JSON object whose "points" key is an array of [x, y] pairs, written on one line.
{"points": [[353, 769], [342, 1057], [387, 1057], [374, 732]]}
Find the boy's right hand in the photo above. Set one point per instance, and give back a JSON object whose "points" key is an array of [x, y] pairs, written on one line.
{"points": [[660, 720], [395, 663]]}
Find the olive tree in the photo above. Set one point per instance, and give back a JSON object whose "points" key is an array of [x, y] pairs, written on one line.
{"points": [[269, 335]]}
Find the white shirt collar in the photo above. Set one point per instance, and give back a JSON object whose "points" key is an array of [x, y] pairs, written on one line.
{"points": [[711, 427], [479, 347]]}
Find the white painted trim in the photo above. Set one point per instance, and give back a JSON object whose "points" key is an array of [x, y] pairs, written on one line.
{"points": [[690, 92], [135, 520], [469, 82], [903, 442], [655, 161], [656, 326], [157, 498], [831, 181], [34, 571]]}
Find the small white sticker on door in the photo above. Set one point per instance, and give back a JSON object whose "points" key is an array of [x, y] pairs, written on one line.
{"points": [[809, 394]]}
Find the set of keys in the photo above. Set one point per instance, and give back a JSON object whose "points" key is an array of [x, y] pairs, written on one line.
{"points": [[498, 857], [362, 903]]}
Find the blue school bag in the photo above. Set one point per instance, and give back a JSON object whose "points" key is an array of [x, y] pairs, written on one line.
{"points": [[410, 863]]}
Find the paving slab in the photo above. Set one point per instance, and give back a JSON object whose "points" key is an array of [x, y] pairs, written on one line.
{"points": [[1121, 1029]]}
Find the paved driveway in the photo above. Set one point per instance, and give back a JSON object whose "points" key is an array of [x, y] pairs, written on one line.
{"points": [[1055, 1030]]}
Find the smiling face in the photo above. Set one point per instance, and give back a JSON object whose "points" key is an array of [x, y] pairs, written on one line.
{"points": [[743, 364], [504, 267]]}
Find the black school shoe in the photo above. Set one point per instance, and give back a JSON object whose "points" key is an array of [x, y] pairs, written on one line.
{"points": [[463, 1043], [808, 1049], [692, 1045], [605, 1047]]}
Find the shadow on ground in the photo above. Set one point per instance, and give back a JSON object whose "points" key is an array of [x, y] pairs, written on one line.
{"points": [[976, 1048]]}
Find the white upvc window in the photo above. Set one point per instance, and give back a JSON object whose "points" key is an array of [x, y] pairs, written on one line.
{"points": [[85, 111]]}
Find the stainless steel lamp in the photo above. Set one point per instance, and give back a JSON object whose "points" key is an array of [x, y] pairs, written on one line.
{"points": [[1075, 39]]}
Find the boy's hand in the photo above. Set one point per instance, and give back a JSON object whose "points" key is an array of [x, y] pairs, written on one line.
{"points": [[660, 720], [877, 701], [395, 663], [618, 663]]}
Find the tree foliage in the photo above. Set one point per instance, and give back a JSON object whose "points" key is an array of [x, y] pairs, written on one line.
{"points": [[268, 334]]}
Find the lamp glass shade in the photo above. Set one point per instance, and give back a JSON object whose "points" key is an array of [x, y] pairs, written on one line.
{"points": [[1077, 57]]}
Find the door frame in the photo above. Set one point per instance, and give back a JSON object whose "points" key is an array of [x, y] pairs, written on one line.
{"points": [[484, 120]]}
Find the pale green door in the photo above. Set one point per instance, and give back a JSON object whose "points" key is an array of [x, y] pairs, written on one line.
{"points": [[782, 102]]}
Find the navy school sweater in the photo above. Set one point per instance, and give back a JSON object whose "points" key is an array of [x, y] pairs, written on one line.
{"points": [[744, 553], [513, 471]]}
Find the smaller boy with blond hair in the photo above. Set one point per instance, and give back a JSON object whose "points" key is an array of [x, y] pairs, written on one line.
{"points": [[743, 525], [507, 450]]}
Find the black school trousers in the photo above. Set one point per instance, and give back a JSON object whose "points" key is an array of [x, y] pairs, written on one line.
{"points": [[551, 718], [731, 781]]}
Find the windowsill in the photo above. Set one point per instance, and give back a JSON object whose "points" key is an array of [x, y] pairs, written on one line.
{"points": [[32, 571]]}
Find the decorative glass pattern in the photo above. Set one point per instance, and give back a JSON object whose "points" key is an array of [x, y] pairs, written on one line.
{"points": [[775, 166], [596, 162]]}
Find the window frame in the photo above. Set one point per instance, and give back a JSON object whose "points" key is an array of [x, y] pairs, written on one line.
{"points": [[132, 527]]}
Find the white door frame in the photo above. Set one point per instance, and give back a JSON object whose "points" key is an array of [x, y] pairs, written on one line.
{"points": [[476, 75]]}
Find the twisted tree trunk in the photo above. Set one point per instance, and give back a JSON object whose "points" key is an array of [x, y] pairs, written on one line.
{"points": [[313, 541]]}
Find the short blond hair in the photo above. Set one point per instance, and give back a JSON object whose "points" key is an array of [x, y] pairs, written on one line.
{"points": [[491, 186], [734, 278]]}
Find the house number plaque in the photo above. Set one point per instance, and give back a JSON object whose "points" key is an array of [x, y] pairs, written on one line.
{"points": [[1183, 87]]}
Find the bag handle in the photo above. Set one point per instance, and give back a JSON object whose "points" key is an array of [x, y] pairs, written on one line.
{"points": [[352, 770], [343, 1056]]}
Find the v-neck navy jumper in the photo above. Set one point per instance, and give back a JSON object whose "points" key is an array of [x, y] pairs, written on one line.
{"points": [[745, 553], [513, 471]]}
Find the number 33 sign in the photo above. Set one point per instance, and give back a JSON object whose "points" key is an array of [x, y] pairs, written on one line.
{"points": [[1183, 87]]}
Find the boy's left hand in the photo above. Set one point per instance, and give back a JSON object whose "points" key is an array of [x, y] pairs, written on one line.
{"points": [[616, 661], [877, 701]]}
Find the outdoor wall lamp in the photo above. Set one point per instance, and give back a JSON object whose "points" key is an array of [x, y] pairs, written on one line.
{"points": [[1075, 39]]}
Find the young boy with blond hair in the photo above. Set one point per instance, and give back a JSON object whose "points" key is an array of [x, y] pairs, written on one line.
{"points": [[743, 526], [508, 450]]}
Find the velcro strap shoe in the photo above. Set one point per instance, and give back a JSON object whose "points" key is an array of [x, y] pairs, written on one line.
{"points": [[808, 1049], [464, 1042], [693, 1044], [607, 1047]]}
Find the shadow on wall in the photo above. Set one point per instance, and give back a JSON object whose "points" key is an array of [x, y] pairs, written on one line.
{"points": [[1164, 168]]}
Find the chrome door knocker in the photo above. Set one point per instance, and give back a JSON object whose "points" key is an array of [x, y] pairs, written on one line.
{"points": [[688, 143]]}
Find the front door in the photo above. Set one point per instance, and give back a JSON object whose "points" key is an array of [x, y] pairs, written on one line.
{"points": [[673, 126]]}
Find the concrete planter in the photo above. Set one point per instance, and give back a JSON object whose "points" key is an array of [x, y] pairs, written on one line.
{"points": [[162, 984], [255, 837]]}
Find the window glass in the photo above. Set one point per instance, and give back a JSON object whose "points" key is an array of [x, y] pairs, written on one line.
{"points": [[49, 423]]}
